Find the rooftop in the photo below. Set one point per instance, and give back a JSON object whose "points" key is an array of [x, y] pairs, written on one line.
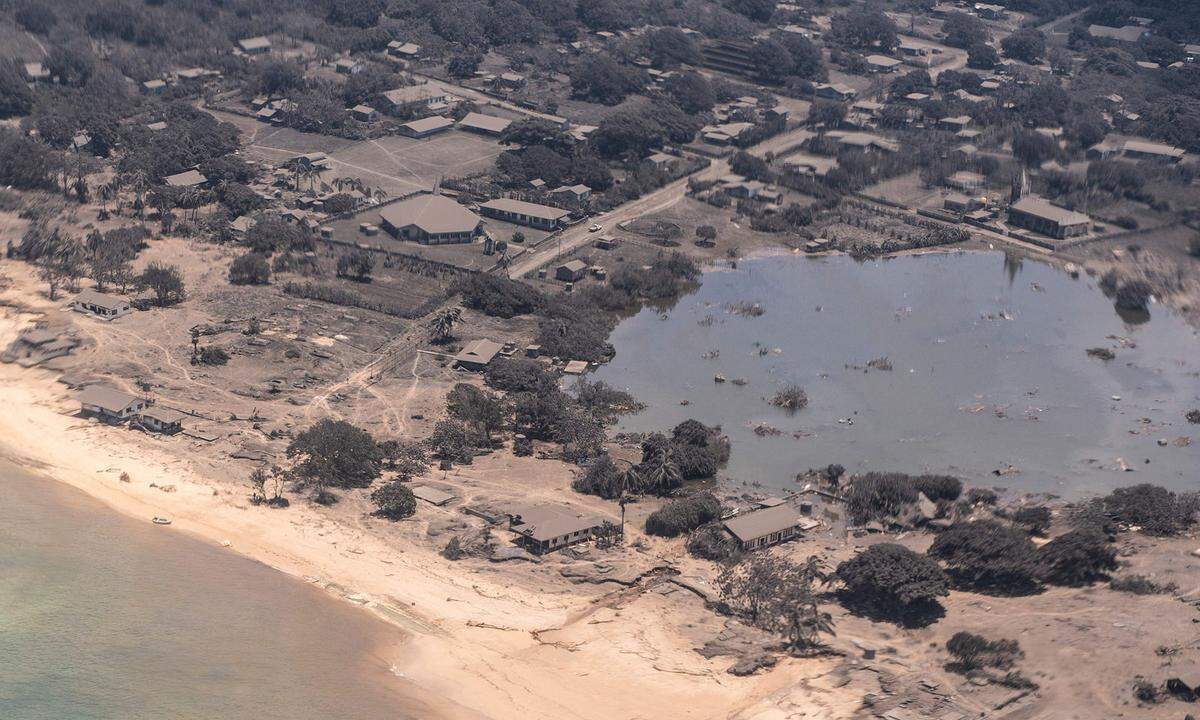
{"points": [[1042, 208], [99, 299], [107, 397], [187, 178], [521, 207], [760, 523], [479, 352], [434, 214], [479, 121], [546, 522], [429, 124]]}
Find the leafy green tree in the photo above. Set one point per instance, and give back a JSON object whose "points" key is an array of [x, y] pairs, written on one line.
{"points": [[334, 453], [600, 78], [451, 441], [964, 30], [772, 61], [483, 412], [394, 500], [1027, 44], [691, 91], [165, 281], [670, 47], [1076, 558], [250, 269], [865, 27], [890, 581], [756, 10], [988, 556], [15, 96]]}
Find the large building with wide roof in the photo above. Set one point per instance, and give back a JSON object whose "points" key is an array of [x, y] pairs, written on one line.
{"points": [[430, 220]]}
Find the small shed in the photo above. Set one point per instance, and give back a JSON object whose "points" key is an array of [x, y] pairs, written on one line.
{"points": [[432, 495], [571, 271]]}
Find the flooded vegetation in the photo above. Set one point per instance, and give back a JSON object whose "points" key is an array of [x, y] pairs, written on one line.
{"points": [[973, 363]]}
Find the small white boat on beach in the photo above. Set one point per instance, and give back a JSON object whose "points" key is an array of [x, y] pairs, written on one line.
{"points": [[159, 520]]}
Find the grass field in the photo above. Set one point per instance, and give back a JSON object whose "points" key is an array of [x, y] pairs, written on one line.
{"points": [[398, 165]]}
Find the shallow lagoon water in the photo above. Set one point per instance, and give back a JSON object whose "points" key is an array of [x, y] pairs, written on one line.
{"points": [[989, 372], [104, 617]]}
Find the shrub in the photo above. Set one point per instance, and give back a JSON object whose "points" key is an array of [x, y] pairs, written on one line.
{"points": [[1134, 295], [212, 355], [711, 542], [1091, 515], [394, 500], [498, 296], [894, 582], [1156, 510], [988, 556], [602, 478], [684, 515], [982, 496], [518, 375], [250, 269], [1036, 519], [1141, 585], [876, 496], [790, 397], [698, 450], [1079, 557], [1193, 416], [939, 487], [522, 446], [356, 264], [975, 652]]}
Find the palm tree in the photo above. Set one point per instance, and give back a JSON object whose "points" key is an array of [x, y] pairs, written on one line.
{"points": [[443, 323], [658, 473]]}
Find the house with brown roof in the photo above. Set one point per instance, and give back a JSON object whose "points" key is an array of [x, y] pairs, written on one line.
{"points": [[545, 528], [520, 212], [110, 404], [426, 126], [420, 95], [1041, 216], [430, 220], [102, 305], [758, 529], [257, 45], [483, 124], [187, 178], [161, 420], [478, 354]]}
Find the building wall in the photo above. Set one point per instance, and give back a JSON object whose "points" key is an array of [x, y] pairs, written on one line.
{"points": [[519, 218], [1045, 226]]}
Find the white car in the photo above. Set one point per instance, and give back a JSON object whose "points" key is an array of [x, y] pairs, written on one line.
{"points": [[596, 228]]}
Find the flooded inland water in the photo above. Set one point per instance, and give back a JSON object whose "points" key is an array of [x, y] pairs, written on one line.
{"points": [[989, 373], [104, 617]]}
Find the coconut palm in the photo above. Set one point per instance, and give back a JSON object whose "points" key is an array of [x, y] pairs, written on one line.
{"points": [[443, 323]]}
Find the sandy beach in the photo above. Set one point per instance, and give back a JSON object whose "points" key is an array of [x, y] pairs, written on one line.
{"points": [[482, 642]]}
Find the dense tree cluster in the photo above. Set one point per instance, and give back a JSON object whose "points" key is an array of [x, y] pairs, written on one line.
{"points": [[889, 580], [334, 453], [684, 515]]}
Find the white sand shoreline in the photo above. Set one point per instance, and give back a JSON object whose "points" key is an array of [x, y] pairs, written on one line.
{"points": [[474, 649]]}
